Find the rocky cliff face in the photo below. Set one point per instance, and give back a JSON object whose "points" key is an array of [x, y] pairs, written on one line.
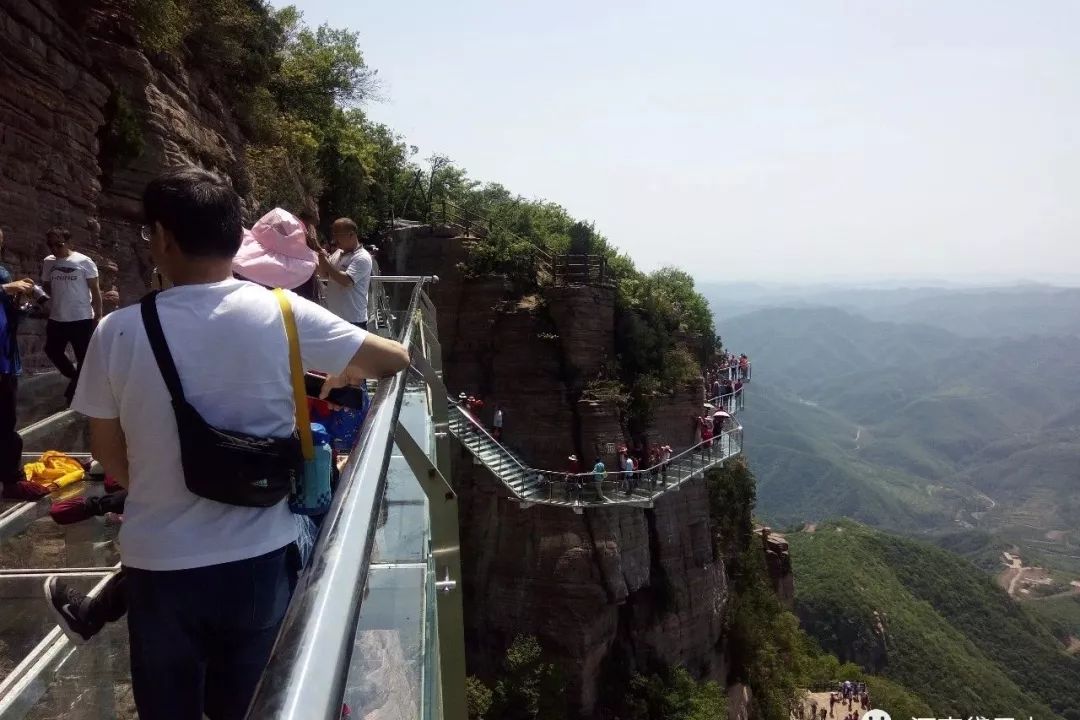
{"points": [[70, 72], [778, 565], [607, 591]]}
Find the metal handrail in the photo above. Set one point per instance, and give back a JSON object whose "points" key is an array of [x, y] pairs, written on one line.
{"points": [[305, 677], [643, 472], [719, 400], [584, 477], [476, 424], [736, 368]]}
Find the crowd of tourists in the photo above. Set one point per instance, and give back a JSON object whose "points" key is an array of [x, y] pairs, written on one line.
{"points": [[724, 380], [848, 701], [642, 465], [201, 400]]}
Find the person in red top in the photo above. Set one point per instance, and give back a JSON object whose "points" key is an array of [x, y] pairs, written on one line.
{"points": [[706, 428]]}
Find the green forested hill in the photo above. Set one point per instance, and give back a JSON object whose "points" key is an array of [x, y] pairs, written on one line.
{"points": [[809, 467], [953, 432], [931, 621]]}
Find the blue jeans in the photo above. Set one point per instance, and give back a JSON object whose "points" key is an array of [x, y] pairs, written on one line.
{"points": [[200, 638]]}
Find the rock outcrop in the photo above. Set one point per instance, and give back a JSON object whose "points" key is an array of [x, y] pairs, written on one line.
{"points": [[630, 588], [608, 591], [778, 565], [69, 71]]}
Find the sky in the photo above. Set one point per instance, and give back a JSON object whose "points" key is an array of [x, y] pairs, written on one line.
{"points": [[792, 141]]}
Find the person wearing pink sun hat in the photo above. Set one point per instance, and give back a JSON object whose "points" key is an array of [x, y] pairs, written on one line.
{"points": [[275, 253]]}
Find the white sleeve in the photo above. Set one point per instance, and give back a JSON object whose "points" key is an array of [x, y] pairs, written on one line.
{"points": [[94, 395], [46, 269], [327, 343], [90, 268], [359, 267]]}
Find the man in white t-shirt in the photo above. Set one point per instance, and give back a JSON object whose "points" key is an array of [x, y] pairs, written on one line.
{"points": [[207, 583], [71, 280], [348, 274]]}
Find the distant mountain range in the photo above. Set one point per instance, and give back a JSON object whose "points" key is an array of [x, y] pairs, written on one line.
{"points": [[1017, 311], [907, 424]]}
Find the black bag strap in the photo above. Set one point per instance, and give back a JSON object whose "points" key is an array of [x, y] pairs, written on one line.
{"points": [[165, 363]]}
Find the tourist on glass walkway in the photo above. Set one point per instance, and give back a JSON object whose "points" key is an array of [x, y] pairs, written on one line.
{"points": [[497, 423], [348, 274], [70, 280], [599, 476], [573, 477], [209, 570], [15, 294]]}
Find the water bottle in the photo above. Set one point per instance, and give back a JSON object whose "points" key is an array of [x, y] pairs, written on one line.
{"points": [[313, 495]]}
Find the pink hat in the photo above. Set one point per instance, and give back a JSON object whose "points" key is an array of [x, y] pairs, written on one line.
{"points": [[275, 252]]}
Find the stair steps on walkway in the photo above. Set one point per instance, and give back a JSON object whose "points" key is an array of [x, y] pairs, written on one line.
{"points": [[532, 486]]}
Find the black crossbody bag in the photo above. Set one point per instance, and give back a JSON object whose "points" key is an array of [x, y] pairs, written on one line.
{"points": [[222, 465]]}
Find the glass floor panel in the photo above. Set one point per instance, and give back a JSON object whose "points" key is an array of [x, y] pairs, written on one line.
{"points": [[93, 682], [47, 677], [44, 544]]}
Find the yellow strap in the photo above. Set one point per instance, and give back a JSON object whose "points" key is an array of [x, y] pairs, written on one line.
{"points": [[296, 369]]}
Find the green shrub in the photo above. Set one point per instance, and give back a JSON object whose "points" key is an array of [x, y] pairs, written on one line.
{"points": [[123, 134], [528, 687], [163, 24], [674, 695], [478, 698]]}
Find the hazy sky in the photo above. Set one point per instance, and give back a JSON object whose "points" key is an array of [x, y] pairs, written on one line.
{"points": [[808, 139]]}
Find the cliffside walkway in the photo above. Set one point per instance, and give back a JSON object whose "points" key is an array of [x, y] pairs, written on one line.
{"points": [[640, 488], [376, 621]]}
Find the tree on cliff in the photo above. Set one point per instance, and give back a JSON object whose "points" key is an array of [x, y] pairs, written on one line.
{"points": [[528, 688]]}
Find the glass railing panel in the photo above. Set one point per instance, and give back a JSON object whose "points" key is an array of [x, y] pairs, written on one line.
{"points": [[386, 674], [402, 534]]}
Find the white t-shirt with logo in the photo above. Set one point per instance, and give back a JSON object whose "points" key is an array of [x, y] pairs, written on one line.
{"points": [[69, 289], [228, 342], [350, 303]]}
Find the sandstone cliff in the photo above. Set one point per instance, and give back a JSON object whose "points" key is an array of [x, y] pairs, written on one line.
{"points": [[71, 74], [605, 592]]}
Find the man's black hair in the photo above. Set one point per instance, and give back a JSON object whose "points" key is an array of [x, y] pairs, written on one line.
{"points": [[199, 208], [346, 223], [60, 232]]}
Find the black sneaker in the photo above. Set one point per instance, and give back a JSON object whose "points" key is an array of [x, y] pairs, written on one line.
{"points": [[66, 603]]}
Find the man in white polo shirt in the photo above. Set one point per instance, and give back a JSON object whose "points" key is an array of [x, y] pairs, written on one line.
{"points": [[71, 280], [207, 583], [348, 274]]}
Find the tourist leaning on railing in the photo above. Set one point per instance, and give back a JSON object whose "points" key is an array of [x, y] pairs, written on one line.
{"points": [[208, 549]]}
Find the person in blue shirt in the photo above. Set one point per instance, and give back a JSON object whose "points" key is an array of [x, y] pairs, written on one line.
{"points": [[15, 485], [599, 475]]}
